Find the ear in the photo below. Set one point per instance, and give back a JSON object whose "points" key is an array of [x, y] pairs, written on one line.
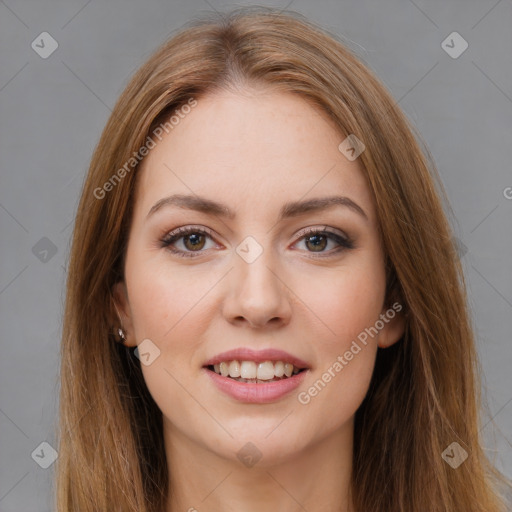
{"points": [[394, 327], [123, 311]]}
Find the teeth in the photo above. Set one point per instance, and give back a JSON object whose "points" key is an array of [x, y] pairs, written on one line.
{"points": [[234, 369], [249, 371], [265, 370], [224, 369]]}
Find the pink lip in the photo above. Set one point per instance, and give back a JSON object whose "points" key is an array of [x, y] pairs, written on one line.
{"points": [[256, 393], [258, 356]]}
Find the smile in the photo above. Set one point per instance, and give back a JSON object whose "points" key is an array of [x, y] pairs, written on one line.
{"points": [[250, 371], [250, 376]]}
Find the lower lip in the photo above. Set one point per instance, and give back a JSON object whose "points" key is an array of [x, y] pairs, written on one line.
{"points": [[256, 393]]}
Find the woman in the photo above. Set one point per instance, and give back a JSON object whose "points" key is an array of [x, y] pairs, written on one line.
{"points": [[265, 309]]}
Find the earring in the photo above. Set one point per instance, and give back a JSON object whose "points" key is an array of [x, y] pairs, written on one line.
{"points": [[119, 335], [120, 331]]}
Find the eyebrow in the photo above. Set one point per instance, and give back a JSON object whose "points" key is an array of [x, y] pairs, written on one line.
{"points": [[291, 209]]}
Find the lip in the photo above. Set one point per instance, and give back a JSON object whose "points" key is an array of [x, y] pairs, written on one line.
{"points": [[258, 356], [256, 393]]}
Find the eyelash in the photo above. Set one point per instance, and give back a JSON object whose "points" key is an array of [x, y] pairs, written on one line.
{"points": [[344, 242]]}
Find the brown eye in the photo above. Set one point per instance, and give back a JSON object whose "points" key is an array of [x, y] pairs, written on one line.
{"points": [[316, 243], [188, 241], [194, 241], [324, 242]]}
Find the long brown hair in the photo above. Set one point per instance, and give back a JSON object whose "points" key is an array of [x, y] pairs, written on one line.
{"points": [[424, 393]]}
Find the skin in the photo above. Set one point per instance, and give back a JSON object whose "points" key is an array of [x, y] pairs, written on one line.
{"points": [[255, 150]]}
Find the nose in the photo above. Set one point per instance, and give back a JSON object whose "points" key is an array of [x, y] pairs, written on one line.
{"points": [[257, 296]]}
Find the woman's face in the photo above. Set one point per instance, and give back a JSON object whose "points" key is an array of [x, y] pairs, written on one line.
{"points": [[254, 175]]}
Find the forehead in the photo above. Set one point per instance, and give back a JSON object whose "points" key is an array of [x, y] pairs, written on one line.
{"points": [[251, 149]]}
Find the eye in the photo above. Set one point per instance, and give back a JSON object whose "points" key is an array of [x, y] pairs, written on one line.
{"points": [[317, 240], [192, 239]]}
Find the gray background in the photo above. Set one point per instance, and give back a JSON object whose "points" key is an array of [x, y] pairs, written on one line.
{"points": [[52, 112]]}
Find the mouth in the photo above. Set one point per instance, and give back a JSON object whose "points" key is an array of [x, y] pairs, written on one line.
{"points": [[256, 367], [255, 373]]}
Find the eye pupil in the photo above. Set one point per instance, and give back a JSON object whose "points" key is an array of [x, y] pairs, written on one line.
{"points": [[195, 241], [317, 244]]}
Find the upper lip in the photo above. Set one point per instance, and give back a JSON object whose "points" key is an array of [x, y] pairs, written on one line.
{"points": [[258, 356]]}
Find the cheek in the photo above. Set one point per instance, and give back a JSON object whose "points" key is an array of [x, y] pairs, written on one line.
{"points": [[347, 300], [339, 382], [349, 304], [170, 308], [165, 301]]}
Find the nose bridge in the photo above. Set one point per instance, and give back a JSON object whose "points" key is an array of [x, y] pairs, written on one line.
{"points": [[258, 295], [256, 277]]}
